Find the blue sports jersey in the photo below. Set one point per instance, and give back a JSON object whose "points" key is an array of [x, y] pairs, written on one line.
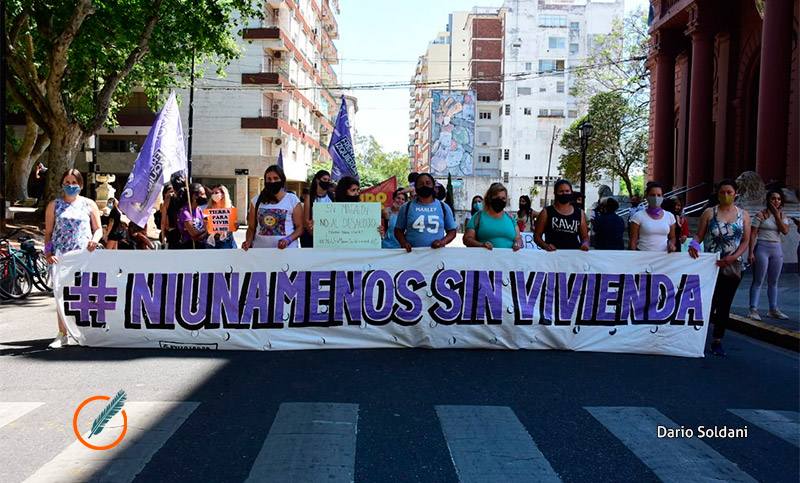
{"points": [[423, 224]]}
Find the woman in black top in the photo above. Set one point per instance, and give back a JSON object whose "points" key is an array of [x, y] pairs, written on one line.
{"points": [[562, 224], [113, 233]]}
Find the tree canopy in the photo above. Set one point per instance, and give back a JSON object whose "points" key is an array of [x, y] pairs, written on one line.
{"points": [[374, 165]]}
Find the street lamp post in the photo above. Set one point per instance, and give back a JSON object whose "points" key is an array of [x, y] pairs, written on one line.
{"points": [[584, 133]]}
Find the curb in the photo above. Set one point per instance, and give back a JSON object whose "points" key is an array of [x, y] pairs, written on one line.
{"points": [[765, 332]]}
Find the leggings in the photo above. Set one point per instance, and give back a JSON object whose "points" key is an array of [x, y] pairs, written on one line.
{"points": [[721, 303], [769, 261]]}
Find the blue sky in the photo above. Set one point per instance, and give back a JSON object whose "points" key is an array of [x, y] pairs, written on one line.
{"points": [[380, 42]]}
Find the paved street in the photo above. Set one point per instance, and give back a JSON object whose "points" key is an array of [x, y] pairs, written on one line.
{"points": [[391, 415]]}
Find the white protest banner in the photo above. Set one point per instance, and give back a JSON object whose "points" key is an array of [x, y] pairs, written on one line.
{"points": [[347, 225], [527, 241], [263, 299]]}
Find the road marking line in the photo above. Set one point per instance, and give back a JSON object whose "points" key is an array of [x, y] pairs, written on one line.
{"points": [[309, 442], [10, 411], [489, 443], [783, 424], [671, 459], [150, 425]]}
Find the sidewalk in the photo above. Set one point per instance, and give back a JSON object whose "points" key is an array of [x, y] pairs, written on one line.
{"points": [[785, 333]]}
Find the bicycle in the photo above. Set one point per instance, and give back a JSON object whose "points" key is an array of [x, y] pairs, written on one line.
{"points": [[16, 281], [34, 262]]}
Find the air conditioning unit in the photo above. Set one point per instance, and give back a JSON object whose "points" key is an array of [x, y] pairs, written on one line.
{"points": [[276, 107], [277, 55], [278, 141]]}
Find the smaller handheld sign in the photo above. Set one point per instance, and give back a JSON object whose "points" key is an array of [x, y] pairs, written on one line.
{"points": [[220, 220], [347, 225]]}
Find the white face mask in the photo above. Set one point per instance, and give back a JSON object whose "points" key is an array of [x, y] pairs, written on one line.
{"points": [[655, 201], [216, 197]]}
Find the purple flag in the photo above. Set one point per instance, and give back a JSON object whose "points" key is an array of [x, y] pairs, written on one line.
{"points": [[162, 155], [280, 158], [341, 147]]}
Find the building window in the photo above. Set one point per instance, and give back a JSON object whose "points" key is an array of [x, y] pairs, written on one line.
{"points": [[528, 65], [559, 86], [119, 146], [506, 154], [542, 88], [508, 109], [558, 42], [573, 48], [527, 157], [573, 113], [542, 112], [505, 176], [523, 91], [574, 26], [484, 159], [484, 137], [526, 111], [552, 20], [556, 112], [484, 115], [551, 66]]}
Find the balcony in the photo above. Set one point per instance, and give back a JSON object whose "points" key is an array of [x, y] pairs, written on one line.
{"points": [[261, 78], [270, 36], [133, 119]]}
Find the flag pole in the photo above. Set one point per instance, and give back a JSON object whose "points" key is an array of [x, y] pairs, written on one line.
{"points": [[191, 122]]}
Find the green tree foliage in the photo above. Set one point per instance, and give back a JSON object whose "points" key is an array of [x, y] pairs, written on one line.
{"points": [[374, 165], [618, 146], [74, 63]]}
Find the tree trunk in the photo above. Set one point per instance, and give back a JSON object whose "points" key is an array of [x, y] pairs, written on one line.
{"points": [[64, 147], [628, 184], [21, 161]]}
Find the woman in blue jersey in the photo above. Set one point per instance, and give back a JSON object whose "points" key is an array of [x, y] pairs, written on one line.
{"points": [[425, 221]]}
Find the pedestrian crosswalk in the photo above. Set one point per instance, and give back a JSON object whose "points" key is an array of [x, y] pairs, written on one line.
{"points": [[318, 441]]}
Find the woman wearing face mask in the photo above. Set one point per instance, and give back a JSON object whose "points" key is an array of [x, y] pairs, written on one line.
{"points": [[190, 219], [390, 219], [724, 229], [563, 225], [319, 189], [72, 222], [425, 221], [681, 222], [526, 216], [493, 227], [653, 230], [766, 254], [220, 198], [276, 217], [113, 234], [349, 191], [475, 206]]}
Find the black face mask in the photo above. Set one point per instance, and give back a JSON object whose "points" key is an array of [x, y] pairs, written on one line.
{"points": [[202, 200], [424, 191], [498, 205], [564, 198], [273, 187], [325, 185], [351, 198]]}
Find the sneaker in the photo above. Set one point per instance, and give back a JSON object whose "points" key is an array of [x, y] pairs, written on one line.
{"points": [[60, 341], [716, 348], [754, 315], [777, 314]]}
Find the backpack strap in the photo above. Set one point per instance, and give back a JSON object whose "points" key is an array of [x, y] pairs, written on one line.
{"points": [[477, 222]]}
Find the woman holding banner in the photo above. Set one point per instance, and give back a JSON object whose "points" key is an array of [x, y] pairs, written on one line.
{"points": [[724, 229], [563, 224], [318, 193], [492, 227], [72, 222], [275, 218], [349, 191], [221, 199], [390, 219], [425, 222], [190, 218], [653, 229]]}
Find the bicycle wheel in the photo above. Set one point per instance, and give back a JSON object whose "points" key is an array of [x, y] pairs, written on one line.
{"points": [[15, 281], [42, 276]]}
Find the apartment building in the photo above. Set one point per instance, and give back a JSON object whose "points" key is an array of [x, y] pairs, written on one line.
{"points": [[277, 96], [520, 56]]}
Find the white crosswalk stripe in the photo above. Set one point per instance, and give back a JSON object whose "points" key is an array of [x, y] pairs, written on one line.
{"points": [[671, 459], [309, 442], [489, 443], [150, 425], [10, 411], [783, 424]]}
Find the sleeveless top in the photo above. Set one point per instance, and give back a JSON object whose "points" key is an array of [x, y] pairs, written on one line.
{"points": [[73, 225], [562, 231], [389, 241], [724, 238]]}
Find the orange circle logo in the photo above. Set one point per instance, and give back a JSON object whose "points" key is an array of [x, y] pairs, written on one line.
{"points": [[78, 434]]}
